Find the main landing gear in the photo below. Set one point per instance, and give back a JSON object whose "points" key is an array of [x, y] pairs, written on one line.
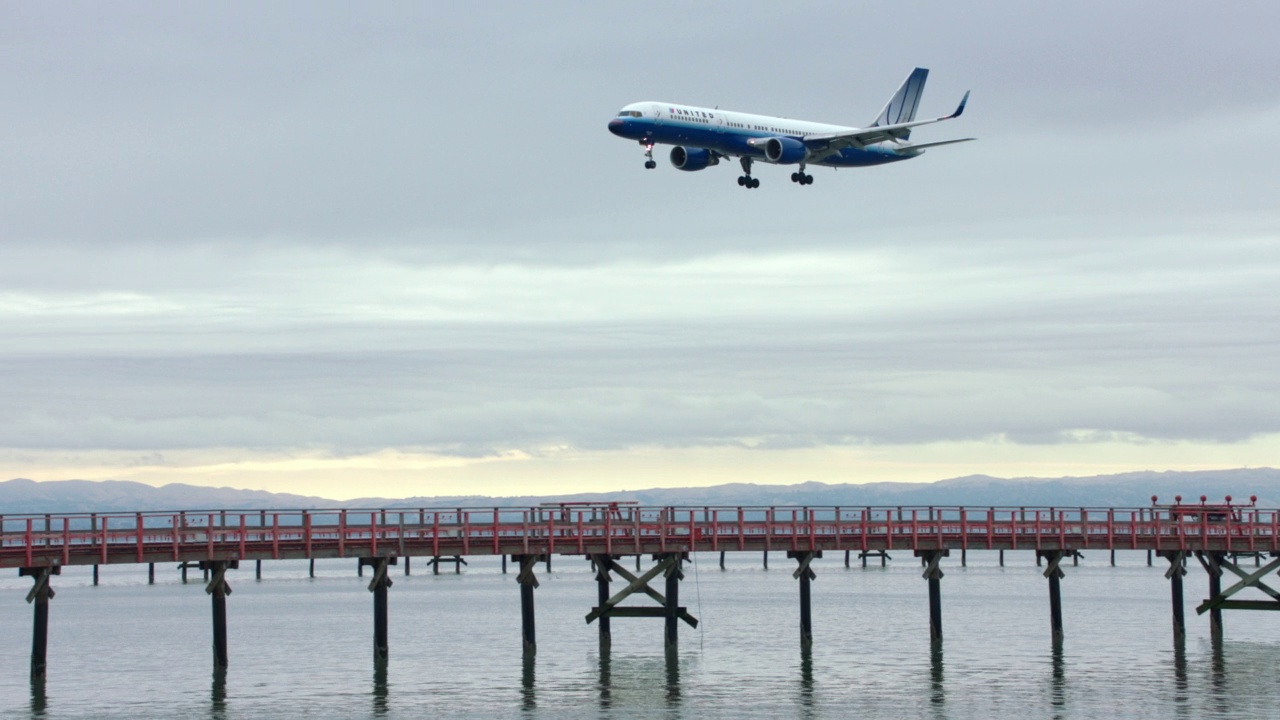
{"points": [[746, 180], [649, 164], [800, 177]]}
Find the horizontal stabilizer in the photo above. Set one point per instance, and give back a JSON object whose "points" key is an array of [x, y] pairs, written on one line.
{"points": [[907, 148]]}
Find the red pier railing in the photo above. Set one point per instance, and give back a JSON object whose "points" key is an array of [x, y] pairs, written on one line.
{"points": [[617, 528]]}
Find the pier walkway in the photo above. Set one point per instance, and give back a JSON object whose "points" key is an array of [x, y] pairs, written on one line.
{"points": [[1217, 535], [618, 529]]}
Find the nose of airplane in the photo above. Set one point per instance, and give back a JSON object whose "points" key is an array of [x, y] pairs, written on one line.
{"points": [[616, 125]]}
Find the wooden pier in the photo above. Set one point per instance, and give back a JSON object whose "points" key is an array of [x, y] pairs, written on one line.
{"points": [[1215, 535]]}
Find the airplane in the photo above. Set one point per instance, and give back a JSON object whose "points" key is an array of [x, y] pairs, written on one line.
{"points": [[703, 136]]}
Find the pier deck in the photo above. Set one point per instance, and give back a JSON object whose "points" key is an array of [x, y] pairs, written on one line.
{"points": [[616, 529]]}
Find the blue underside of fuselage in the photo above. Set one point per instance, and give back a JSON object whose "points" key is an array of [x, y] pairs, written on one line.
{"points": [[733, 141]]}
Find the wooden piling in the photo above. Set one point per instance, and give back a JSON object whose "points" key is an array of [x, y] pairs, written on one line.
{"points": [[933, 573], [406, 565], [40, 595], [1215, 591], [95, 575], [378, 586], [527, 582], [311, 572], [806, 615], [1175, 573], [1055, 608], [846, 557], [721, 559], [602, 594], [1002, 558], [218, 589], [257, 569], [766, 559], [672, 635], [1054, 573], [151, 573], [381, 581], [804, 573]]}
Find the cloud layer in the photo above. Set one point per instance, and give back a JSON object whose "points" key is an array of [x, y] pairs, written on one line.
{"points": [[258, 229]]}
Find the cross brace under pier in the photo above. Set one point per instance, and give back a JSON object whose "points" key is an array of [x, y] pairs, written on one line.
{"points": [[669, 566]]}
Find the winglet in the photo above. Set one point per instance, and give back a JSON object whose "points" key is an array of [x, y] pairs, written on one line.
{"points": [[960, 109]]}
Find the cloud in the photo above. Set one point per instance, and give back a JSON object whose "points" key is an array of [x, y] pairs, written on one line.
{"points": [[408, 228]]}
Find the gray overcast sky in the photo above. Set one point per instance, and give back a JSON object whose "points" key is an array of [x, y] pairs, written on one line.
{"points": [[392, 248]]}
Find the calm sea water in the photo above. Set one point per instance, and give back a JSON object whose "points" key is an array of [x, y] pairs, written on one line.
{"points": [[302, 647]]}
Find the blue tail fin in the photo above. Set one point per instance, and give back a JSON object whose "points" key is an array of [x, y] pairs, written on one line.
{"points": [[902, 106]]}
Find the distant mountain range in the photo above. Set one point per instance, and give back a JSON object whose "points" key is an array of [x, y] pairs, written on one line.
{"points": [[1121, 490]]}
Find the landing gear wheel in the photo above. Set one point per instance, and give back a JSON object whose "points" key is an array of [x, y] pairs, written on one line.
{"points": [[745, 180], [795, 177], [806, 179], [649, 164]]}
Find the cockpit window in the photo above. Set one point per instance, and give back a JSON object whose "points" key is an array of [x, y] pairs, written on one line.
{"points": [[629, 113]]}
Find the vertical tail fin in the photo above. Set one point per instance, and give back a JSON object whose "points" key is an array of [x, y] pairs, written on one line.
{"points": [[902, 106]]}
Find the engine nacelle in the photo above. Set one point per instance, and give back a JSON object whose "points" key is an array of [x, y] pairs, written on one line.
{"points": [[691, 159], [785, 151]]}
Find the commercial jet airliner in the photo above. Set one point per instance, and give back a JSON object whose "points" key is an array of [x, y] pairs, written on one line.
{"points": [[702, 136]]}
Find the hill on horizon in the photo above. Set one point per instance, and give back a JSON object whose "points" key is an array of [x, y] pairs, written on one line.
{"points": [[1133, 489]]}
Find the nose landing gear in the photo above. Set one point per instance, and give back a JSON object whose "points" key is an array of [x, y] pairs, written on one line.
{"points": [[746, 180]]}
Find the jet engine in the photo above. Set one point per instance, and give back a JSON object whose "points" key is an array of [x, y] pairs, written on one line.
{"points": [[691, 159], [785, 151]]}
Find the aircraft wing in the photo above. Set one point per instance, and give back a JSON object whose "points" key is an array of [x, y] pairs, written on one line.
{"points": [[877, 133]]}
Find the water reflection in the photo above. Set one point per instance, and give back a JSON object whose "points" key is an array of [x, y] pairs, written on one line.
{"points": [[937, 694], [806, 677], [606, 679], [1180, 693], [528, 697], [218, 694], [379, 688], [1218, 676], [38, 698], [1058, 686], [673, 676]]}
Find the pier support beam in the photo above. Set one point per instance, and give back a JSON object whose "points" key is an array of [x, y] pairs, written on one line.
{"points": [[602, 563], [528, 581], [1175, 573], [933, 573], [39, 597], [1055, 574], [674, 575], [805, 574], [218, 590], [1216, 564], [668, 565], [378, 586]]}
